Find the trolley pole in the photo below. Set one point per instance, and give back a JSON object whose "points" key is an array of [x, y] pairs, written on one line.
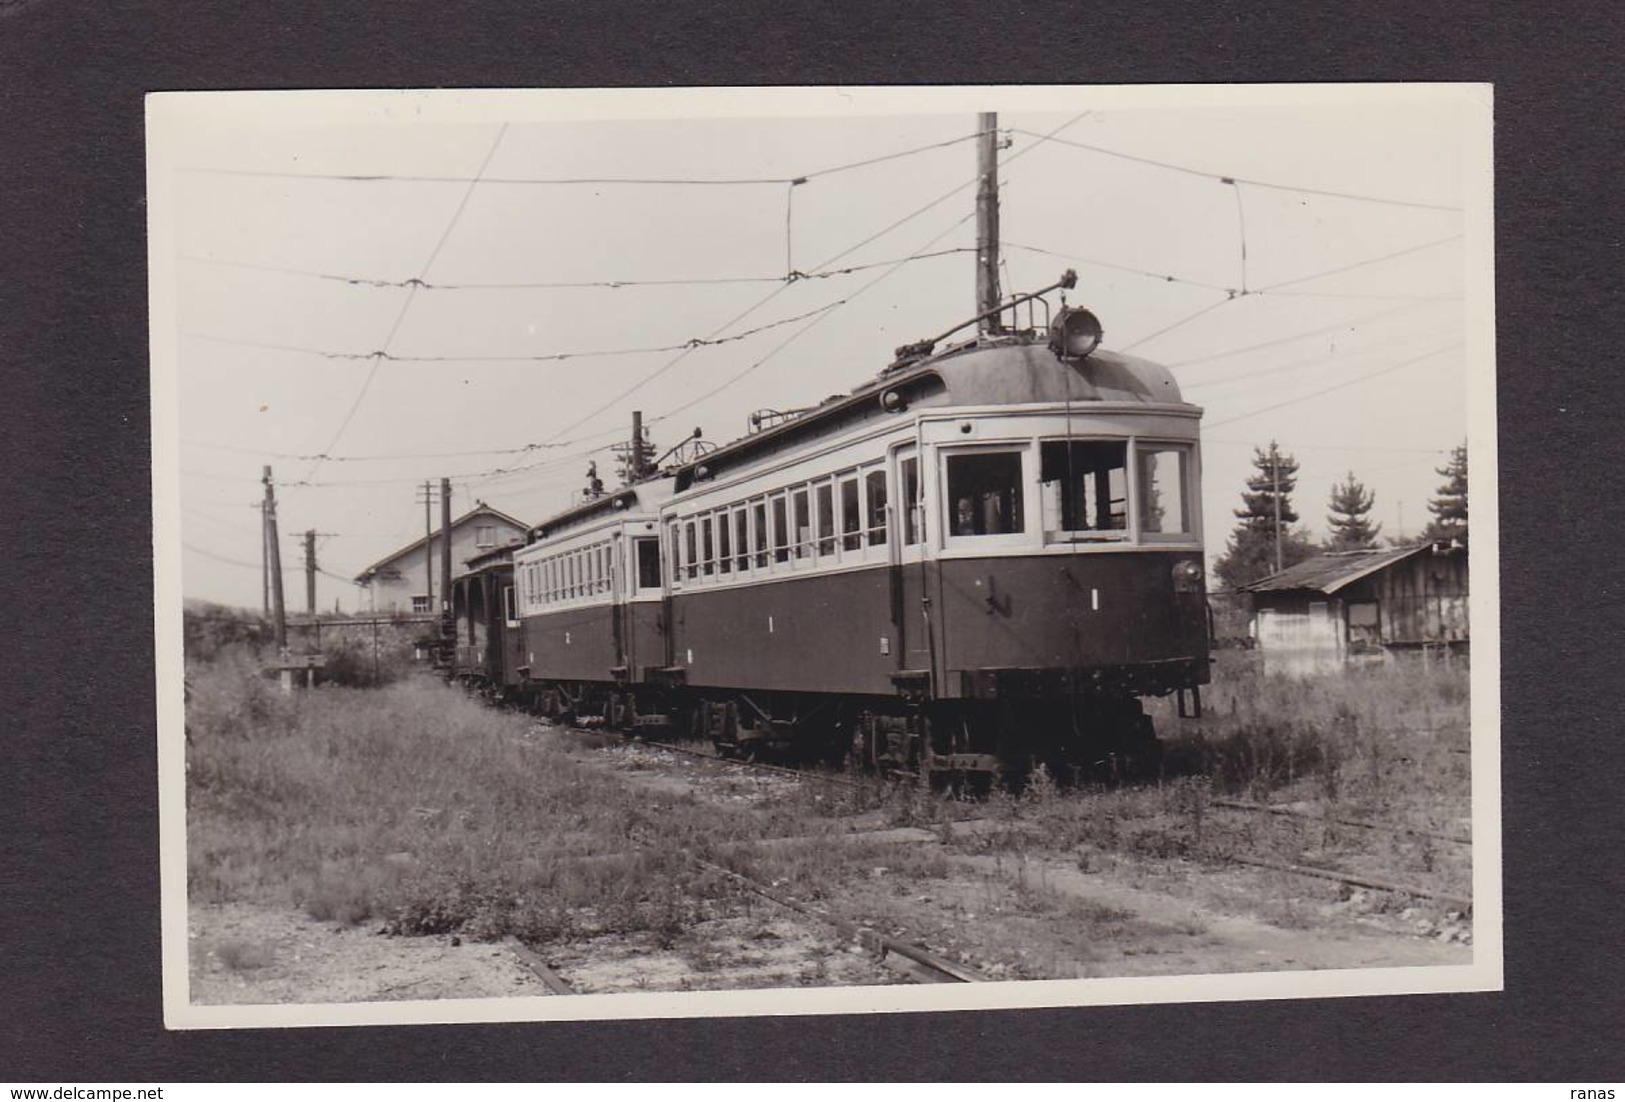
{"points": [[987, 222]]}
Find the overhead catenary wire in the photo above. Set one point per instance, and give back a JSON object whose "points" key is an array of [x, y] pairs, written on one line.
{"points": [[411, 293], [1386, 311], [1272, 291], [1336, 386], [725, 384], [574, 181], [542, 357], [972, 182], [790, 276], [1232, 178]]}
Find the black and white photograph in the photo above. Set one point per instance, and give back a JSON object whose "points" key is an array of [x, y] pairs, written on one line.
{"points": [[684, 553]]}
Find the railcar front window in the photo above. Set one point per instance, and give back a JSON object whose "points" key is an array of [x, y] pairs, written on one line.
{"points": [[984, 494], [1083, 489], [1164, 490]]}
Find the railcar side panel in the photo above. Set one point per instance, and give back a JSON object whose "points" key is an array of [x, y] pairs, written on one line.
{"points": [[573, 644], [823, 633]]}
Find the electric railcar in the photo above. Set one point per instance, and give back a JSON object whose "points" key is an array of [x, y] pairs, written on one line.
{"points": [[981, 559]]}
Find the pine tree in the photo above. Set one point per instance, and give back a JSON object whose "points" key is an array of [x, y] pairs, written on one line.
{"points": [[1449, 509], [1250, 554], [1350, 519]]}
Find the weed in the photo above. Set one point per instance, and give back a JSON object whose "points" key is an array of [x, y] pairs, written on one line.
{"points": [[240, 956]]}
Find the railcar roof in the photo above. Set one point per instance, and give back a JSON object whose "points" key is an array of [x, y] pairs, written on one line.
{"points": [[643, 498], [1001, 370]]}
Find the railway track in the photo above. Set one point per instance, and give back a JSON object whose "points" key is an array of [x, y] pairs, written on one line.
{"points": [[1358, 880]]}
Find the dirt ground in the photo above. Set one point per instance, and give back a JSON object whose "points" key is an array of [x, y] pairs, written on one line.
{"points": [[1035, 914]]}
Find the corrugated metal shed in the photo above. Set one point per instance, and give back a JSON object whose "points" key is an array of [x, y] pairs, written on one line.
{"points": [[1329, 572]]}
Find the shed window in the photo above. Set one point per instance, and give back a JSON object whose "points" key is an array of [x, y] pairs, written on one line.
{"points": [[420, 602], [485, 535], [1084, 487], [984, 493]]}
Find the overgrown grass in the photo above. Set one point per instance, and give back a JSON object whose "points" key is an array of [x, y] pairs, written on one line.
{"points": [[1381, 744], [417, 807]]}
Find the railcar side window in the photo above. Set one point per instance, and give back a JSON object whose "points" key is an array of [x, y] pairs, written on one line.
{"points": [[724, 551], [1084, 488], [708, 558], [875, 490], [761, 541], [781, 531], [851, 516], [691, 551], [803, 521], [984, 494], [648, 562], [741, 539], [826, 518], [1164, 496], [912, 528]]}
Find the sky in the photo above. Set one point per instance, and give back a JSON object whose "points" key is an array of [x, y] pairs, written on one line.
{"points": [[367, 290]]}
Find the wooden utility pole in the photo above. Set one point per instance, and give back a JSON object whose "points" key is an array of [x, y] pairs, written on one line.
{"points": [[265, 554], [310, 571], [445, 548], [428, 543], [987, 222], [1275, 482], [275, 566]]}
